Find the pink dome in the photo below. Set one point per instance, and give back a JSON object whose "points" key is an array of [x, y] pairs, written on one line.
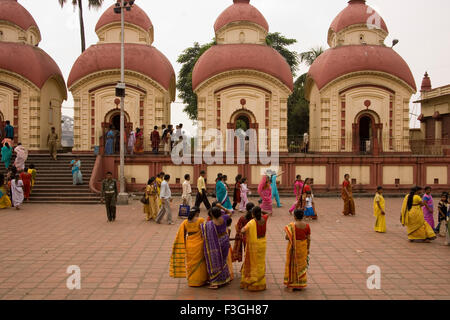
{"points": [[228, 57], [30, 62], [138, 57], [240, 10], [357, 12], [12, 11], [135, 16], [343, 60]]}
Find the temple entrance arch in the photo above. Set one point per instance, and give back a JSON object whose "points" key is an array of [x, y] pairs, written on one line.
{"points": [[367, 133], [242, 119], [112, 118]]}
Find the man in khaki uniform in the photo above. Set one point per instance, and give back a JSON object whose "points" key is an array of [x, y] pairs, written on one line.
{"points": [[52, 142], [109, 196]]}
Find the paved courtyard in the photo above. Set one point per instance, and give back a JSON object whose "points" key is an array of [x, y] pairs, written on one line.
{"points": [[130, 258]]}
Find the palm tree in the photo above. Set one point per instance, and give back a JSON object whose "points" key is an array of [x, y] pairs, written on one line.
{"points": [[92, 4], [310, 56]]}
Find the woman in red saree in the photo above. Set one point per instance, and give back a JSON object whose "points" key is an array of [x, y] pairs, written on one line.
{"points": [[139, 145], [239, 240], [297, 256], [26, 179], [347, 196]]}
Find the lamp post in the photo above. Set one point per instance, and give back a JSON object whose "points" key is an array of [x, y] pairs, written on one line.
{"points": [[122, 5]]}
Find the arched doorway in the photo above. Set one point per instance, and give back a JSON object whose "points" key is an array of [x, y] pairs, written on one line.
{"points": [[242, 119], [365, 134], [242, 122], [367, 131], [112, 118]]}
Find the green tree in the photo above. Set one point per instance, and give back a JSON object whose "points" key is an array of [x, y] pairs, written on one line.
{"points": [[281, 44], [188, 59], [298, 106], [92, 4], [190, 56], [308, 57]]}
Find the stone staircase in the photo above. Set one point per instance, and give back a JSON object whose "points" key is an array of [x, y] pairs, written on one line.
{"points": [[54, 180]]}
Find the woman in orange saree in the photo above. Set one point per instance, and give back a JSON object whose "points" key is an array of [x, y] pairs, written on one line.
{"points": [[188, 258], [253, 271], [297, 256]]}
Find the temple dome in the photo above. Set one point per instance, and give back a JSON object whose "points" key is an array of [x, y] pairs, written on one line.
{"points": [[140, 58], [241, 10], [356, 13], [136, 16], [339, 61], [15, 13], [30, 62], [229, 57]]}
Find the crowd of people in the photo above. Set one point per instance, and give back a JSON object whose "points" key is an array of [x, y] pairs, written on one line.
{"points": [[166, 139], [17, 181], [417, 213]]}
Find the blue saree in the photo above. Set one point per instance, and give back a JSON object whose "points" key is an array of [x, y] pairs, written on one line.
{"points": [[109, 147], [217, 248], [222, 195]]}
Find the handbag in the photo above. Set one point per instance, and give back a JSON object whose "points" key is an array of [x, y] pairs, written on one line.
{"points": [[145, 200], [184, 210]]}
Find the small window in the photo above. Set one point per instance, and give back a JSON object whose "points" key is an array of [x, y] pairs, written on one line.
{"points": [[50, 114], [362, 39], [242, 37], [353, 181], [397, 182], [436, 181], [177, 181]]}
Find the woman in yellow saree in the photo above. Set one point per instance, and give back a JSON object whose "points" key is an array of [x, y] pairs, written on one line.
{"points": [[297, 256], [159, 180], [253, 271], [151, 208], [379, 211], [5, 201], [412, 218], [188, 259]]}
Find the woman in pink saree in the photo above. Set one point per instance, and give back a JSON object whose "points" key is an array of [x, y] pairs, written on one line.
{"points": [[298, 186], [265, 192]]}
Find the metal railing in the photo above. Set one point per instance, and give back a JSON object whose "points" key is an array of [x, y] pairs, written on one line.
{"points": [[433, 147]]}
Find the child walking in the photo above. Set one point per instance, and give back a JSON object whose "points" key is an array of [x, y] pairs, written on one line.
{"points": [[379, 207], [442, 215], [244, 192], [310, 212]]}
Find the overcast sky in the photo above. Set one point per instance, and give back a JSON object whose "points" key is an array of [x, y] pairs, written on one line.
{"points": [[422, 26]]}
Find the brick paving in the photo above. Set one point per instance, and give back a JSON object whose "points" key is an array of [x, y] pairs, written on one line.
{"points": [[129, 259]]}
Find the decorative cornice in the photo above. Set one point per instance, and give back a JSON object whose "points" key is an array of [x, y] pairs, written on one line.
{"points": [[131, 73], [249, 72], [368, 72]]}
